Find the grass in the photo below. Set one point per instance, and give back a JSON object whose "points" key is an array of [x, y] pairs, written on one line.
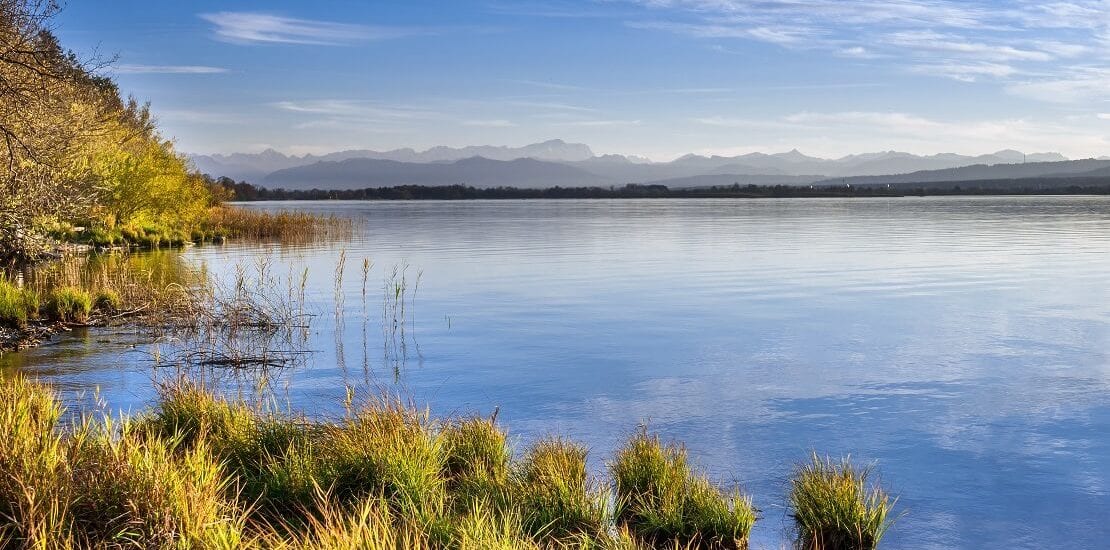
{"points": [[288, 227], [69, 305], [835, 508], [662, 500], [17, 305], [202, 471]]}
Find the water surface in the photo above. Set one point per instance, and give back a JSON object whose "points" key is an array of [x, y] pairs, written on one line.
{"points": [[961, 343]]}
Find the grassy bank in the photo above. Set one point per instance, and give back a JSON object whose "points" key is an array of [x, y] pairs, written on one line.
{"points": [[217, 224], [198, 471]]}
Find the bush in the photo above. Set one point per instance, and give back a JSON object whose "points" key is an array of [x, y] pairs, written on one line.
{"points": [[70, 305], [662, 501], [834, 509], [17, 305]]}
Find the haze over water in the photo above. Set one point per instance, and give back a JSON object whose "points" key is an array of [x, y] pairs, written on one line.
{"points": [[959, 342]]}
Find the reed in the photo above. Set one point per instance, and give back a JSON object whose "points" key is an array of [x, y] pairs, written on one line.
{"points": [[287, 227]]}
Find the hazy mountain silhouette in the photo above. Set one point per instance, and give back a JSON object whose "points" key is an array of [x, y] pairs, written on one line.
{"points": [[254, 167], [557, 162], [474, 171], [1062, 169]]}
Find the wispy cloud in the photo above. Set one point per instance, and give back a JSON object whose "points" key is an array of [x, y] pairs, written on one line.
{"points": [[356, 109], [597, 123], [265, 28], [494, 123], [1080, 85], [128, 68], [1024, 45]]}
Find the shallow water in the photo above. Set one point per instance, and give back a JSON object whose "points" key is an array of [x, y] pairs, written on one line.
{"points": [[962, 343]]}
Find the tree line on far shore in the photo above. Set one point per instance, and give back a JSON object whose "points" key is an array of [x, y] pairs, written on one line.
{"points": [[243, 191]]}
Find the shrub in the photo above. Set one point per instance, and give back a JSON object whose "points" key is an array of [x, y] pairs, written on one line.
{"points": [[662, 501], [70, 305], [834, 509], [17, 305]]}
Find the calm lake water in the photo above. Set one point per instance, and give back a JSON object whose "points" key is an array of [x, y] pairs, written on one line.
{"points": [[961, 343]]}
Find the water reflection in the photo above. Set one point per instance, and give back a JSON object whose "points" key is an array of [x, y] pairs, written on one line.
{"points": [[961, 342]]}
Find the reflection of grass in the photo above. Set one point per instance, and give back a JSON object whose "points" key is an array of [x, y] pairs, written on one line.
{"points": [[202, 471], [835, 509]]}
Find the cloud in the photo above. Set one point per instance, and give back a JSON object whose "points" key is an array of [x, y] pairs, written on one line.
{"points": [[965, 72], [356, 109], [263, 28], [1079, 85], [597, 123], [1103, 116], [127, 68], [965, 40], [495, 123]]}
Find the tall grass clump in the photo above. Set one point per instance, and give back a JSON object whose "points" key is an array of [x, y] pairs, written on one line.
{"points": [[17, 305], [835, 509], [135, 491], [661, 500], [289, 227], [477, 461], [108, 300], [555, 494], [33, 466], [69, 305]]}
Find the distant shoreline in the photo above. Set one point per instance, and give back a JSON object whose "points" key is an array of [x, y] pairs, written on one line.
{"points": [[245, 192]]}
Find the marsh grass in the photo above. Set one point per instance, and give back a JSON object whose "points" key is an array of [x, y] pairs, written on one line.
{"points": [[17, 304], [559, 499], [69, 305], [287, 227], [200, 470], [662, 500], [835, 508]]}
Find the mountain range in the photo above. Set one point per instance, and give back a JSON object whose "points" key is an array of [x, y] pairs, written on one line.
{"points": [[558, 163]]}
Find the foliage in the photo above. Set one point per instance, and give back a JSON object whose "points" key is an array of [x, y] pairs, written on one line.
{"points": [[74, 153]]}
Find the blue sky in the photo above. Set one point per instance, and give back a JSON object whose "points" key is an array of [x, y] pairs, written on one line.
{"points": [[657, 78]]}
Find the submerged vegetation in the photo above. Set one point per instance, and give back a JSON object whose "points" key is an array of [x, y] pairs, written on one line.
{"points": [[203, 471]]}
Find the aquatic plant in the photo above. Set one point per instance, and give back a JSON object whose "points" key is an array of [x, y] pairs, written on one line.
{"points": [[204, 471], [834, 507], [17, 304], [69, 305], [661, 500]]}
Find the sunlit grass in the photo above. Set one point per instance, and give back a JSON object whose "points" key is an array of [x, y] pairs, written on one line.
{"points": [[17, 305], [661, 500], [835, 508], [203, 471]]}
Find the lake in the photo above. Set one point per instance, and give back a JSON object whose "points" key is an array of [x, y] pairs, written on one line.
{"points": [[961, 344]]}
